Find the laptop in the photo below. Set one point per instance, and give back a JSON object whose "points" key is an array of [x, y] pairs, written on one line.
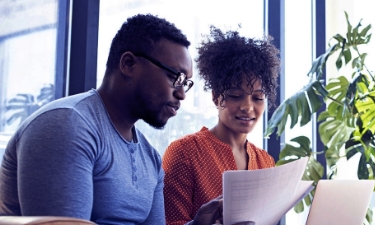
{"points": [[340, 202]]}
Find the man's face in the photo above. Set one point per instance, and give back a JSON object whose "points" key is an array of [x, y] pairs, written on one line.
{"points": [[157, 98]]}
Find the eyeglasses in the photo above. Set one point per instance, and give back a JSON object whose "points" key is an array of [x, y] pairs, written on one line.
{"points": [[181, 79]]}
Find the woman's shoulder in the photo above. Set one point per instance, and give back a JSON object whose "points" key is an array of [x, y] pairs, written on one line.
{"points": [[193, 137], [262, 155], [185, 145]]}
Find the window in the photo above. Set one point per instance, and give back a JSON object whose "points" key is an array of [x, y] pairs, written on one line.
{"points": [[27, 60]]}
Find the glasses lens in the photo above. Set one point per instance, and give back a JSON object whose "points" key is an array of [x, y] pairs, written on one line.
{"points": [[188, 84], [180, 80]]}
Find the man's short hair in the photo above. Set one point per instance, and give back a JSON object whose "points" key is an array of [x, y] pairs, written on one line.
{"points": [[139, 34]]}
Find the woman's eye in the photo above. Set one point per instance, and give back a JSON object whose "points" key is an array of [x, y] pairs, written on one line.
{"points": [[234, 95], [258, 98]]}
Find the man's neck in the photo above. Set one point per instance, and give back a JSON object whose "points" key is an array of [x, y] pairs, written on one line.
{"points": [[118, 113]]}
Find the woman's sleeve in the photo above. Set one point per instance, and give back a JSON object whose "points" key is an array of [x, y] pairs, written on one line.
{"points": [[179, 182]]}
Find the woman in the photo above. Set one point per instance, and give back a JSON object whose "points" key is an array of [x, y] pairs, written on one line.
{"points": [[242, 74]]}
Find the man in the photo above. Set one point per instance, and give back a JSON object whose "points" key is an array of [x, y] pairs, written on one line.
{"points": [[81, 156]]}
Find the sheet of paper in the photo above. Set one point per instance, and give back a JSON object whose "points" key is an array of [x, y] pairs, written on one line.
{"points": [[262, 195], [303, 189]]}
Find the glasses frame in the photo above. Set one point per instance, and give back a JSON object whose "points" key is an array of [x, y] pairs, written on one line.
{"points": [[181, 77]]}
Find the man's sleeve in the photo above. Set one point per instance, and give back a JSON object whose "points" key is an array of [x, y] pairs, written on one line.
{"points": [[55, 164], [157, 213]]}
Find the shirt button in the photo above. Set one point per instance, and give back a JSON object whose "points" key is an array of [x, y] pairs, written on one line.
{"points": [[132, 150], [135, 178]]}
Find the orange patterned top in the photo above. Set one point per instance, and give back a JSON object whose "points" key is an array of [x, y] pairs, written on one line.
{"points": [[193, 172]]}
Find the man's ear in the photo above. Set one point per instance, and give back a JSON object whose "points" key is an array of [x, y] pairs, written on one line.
{"points": [[127, 62]]}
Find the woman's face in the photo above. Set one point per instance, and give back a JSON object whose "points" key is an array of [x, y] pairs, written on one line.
{"points": [[244, 107]]}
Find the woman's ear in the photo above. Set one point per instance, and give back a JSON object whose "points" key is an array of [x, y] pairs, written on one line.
{"points": [[215, 100], [127, 62]]}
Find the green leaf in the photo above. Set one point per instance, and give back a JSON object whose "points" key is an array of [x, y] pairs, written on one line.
{"points": [[299, 207], [303, 142], [319, 63], [298, 108], [355, 33], [338, 63], [290, 150], [364, 31], [339, 38], [332, 155], [301, 148], [347, 56], [314, 100], [307, 200], [349, 29], [366, 107], [337, 88], [320, 89], [368, 38], [369, 215], [304, 108], [317, 167], [363, 172], [333, 131]]}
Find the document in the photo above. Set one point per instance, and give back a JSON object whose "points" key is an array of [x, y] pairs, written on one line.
{"points": [[263, 196]]}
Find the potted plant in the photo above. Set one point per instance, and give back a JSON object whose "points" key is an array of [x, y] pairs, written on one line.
{"points": [[21, 106], [347, 125]]}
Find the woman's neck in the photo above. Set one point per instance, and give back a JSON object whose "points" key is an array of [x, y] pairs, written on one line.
{"points": [[235, 140]]}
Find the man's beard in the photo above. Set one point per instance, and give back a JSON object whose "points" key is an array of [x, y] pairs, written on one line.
{"points": [[151, 118], [149, 114]]}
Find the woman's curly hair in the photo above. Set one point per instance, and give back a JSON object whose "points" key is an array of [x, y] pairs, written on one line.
{"points": [[224, 59]]}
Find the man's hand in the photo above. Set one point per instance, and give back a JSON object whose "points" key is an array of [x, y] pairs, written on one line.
{"points": [[210, 212]]}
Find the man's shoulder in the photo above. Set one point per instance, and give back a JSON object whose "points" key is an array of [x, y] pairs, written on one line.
{"points": [[86, 98], [83, 103], [79, 105]]}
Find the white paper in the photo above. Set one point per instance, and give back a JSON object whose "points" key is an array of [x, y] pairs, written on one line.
{"points": [[263, 196]]}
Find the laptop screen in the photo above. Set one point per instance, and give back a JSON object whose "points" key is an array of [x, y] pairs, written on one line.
{"points": [[343, 202]]}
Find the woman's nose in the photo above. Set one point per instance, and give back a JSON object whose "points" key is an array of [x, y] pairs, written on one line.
{"points": [[247, 105]]}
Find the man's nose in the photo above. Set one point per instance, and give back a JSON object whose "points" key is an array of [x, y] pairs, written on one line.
{"points": [[179, 93]]}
